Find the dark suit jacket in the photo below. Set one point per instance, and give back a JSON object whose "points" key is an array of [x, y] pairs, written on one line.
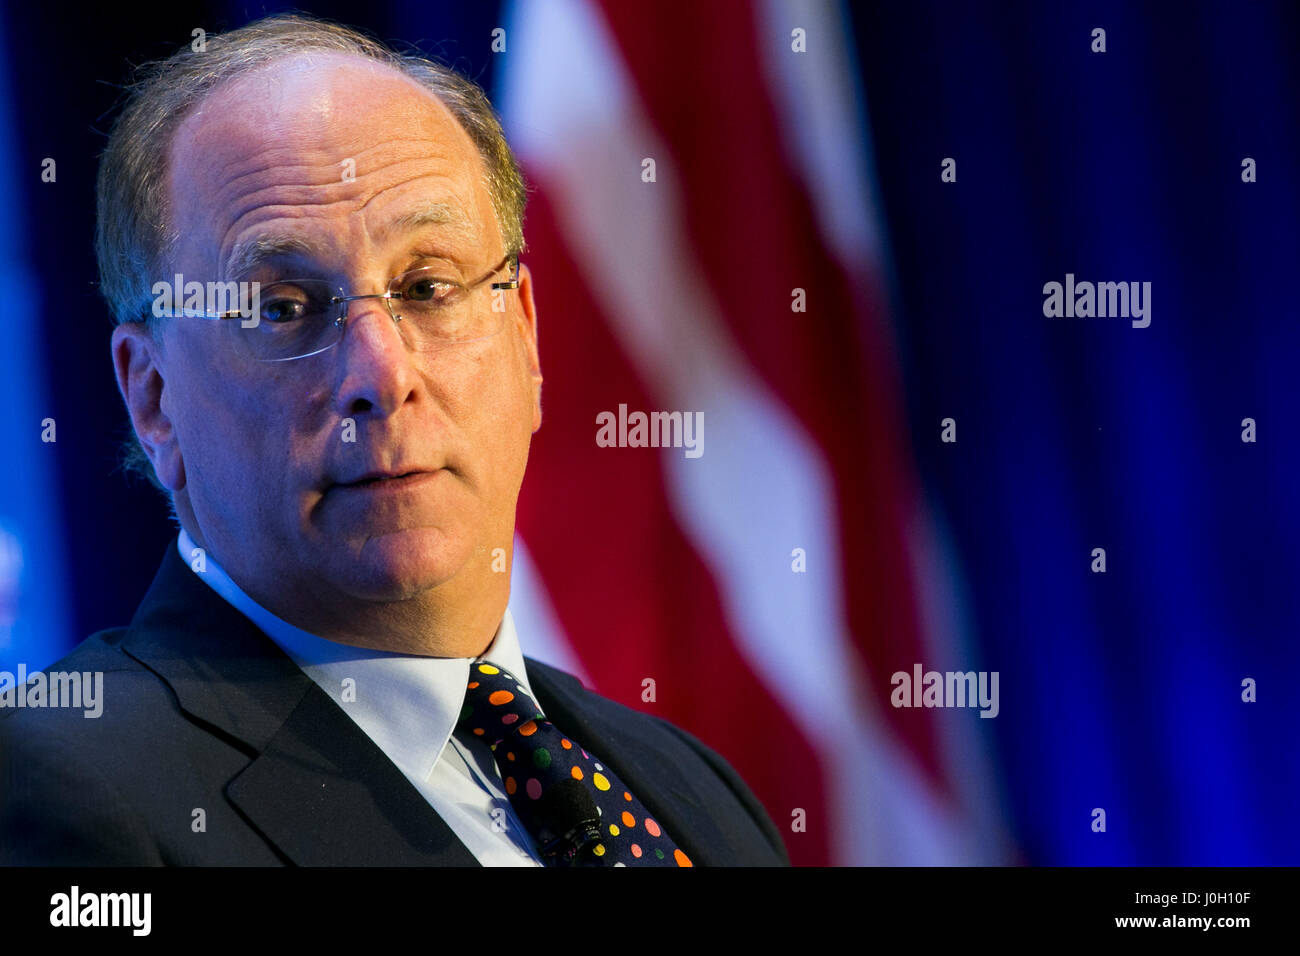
{"points": [[201, 710]]}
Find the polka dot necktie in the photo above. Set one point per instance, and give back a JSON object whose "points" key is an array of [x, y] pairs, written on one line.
{"points": [[574, 805]]}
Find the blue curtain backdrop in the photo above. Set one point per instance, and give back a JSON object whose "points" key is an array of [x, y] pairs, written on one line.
{"points": [[33, 623], [1119, 690]]}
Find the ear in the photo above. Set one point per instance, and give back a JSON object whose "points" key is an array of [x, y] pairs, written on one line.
{"points": [[137, 361], [530, 340]]}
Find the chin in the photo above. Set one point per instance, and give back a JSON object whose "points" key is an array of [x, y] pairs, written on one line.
{"points": [[401, 565]]}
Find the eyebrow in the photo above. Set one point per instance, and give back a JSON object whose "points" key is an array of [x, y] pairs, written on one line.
{"points": [[249, 254], [431, 214]]}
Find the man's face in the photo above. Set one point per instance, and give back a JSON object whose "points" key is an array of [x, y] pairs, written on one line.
{"points": [[346, 156]]}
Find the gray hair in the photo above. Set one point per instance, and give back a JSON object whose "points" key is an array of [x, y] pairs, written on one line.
{"points": [[134, 238]]}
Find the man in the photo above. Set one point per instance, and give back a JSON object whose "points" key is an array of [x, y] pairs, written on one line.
{"points": [[325, 670]]}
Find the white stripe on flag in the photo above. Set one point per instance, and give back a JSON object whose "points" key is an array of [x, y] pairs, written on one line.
{"points": [[821, 122]]}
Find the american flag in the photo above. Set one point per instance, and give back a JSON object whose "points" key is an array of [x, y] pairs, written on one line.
{"points": [[703, 238]]}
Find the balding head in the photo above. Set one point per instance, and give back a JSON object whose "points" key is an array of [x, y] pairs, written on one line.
{"points": [[363, 491], [135, 232]]}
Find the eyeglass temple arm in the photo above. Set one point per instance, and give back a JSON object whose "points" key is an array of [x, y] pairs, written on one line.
{"points": [[147, 313], [513, 282]]}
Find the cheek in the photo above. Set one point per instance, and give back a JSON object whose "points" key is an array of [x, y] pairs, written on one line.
{"points": [[484, 384], [506, 402], [225, 453], [229, 441], [493, 413]]}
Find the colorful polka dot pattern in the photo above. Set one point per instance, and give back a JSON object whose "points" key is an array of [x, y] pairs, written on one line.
{"points": [[532, 755]]}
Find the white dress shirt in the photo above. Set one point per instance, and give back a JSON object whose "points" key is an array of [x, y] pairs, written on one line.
{"points": [[408, 706]]}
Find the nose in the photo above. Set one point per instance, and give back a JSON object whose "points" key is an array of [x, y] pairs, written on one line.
{"points": [[376, 372]]}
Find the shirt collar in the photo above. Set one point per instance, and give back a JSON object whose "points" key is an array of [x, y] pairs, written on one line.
{"points": [[407, 704]]}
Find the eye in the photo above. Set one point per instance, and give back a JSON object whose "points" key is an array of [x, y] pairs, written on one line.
{"points": [[282, 310], [426, 288], [285, 303]]}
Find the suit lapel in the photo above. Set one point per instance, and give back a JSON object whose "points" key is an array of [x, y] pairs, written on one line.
{"points": [[317, 788], [327, 798]]}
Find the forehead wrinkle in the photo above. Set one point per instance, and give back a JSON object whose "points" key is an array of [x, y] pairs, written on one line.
{"points": [[231, 184], [247, 166], [304, 195], [449, 213], [430, 147], [246, 254], [265, 161], [234, 237]]}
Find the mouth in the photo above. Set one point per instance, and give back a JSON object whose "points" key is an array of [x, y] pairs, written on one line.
{"points": [[380, 482]]}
